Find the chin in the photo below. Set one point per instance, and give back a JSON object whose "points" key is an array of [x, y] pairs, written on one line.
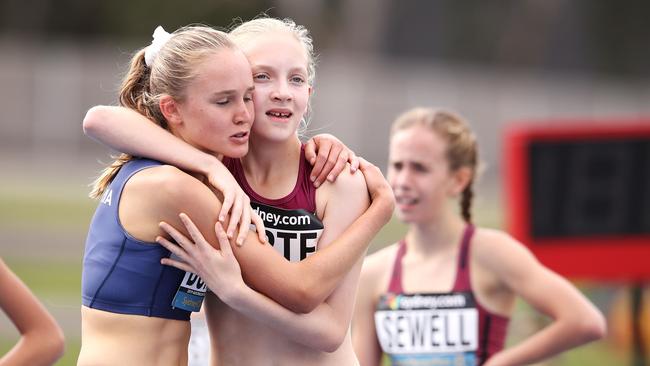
{"points": [[406, 218], [236, 152]]}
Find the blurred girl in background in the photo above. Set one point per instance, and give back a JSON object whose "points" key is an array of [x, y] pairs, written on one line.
{"points": [[444, 294]]}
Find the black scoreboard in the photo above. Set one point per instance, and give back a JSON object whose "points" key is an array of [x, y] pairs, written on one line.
{"points": [[578, 194]]}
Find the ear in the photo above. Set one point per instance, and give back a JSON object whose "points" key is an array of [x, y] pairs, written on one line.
{"points": [[459, 180], [169, 108]]}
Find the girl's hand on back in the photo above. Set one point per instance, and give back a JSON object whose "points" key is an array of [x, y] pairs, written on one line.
{"points": [[237, 203], [328, 156]]}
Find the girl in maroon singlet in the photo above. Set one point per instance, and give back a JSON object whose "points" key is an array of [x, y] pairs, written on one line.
{"points": [[444, 294], [308, 226]]}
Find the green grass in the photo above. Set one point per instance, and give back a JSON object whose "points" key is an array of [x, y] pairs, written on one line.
{"points": [[60, 278], [44, 210]]}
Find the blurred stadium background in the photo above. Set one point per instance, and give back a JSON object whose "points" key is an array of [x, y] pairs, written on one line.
{"points": [[495, 63]]}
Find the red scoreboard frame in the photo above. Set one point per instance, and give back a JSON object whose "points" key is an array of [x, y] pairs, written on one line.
{"points": [[607, 256]]}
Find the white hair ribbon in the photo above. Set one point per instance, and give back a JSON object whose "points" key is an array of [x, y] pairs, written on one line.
{"points": [[160, 37]]}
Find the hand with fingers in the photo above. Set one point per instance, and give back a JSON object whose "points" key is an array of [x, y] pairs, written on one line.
{"points": [[328, 156], [237, 203], [218, 268], [378, 187]]}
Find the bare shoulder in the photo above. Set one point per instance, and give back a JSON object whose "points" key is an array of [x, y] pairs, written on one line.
{"points": [[160, 193], [380, 261], [498, 251], [376, 271], [347, 191], [165, 184], [347, 183]]}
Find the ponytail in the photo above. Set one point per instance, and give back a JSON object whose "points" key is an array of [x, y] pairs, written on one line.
{"points": [[466, 202], [133, 91]]}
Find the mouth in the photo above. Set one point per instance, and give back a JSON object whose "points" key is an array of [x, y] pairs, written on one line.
{"points": [[279, 114], [406, 202], [240, 137]]}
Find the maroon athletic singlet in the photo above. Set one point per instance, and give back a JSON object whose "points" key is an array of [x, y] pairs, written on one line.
{"points": [[292, 226], [438, 328]]}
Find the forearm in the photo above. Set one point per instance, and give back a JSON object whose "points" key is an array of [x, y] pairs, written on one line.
{"points": [[127, 131], [302, 286], [34, 349], [41, 341], [554, 339], [339, 256], [314, 330]]}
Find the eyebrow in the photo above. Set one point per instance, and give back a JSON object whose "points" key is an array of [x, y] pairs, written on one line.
{"points": [[232, 91], [267, 67]]}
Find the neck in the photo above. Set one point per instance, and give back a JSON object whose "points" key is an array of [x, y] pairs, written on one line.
{"points": [[270, 161], [435, 236]]}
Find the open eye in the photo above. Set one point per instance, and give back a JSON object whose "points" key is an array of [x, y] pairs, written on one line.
{"points": [[297, 79]]}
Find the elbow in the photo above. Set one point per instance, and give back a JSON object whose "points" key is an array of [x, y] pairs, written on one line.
{"points": [[594, 328], [332, 340], [48, 346], [54, 345], [92, 120], [589, 328], [303, 301]]}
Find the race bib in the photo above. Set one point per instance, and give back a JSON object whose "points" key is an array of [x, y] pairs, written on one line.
{"points": [[428, 329], [190, 293], [293, 233]]}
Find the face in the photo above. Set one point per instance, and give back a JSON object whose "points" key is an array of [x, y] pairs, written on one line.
{"points": [[419, 174], [217, 112], [279, 64]]}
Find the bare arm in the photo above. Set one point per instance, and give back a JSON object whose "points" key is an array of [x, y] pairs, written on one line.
{"points": [[364, 336], [41, 341], [575, 320], [298, 286], [324, 328], [128, 131]]}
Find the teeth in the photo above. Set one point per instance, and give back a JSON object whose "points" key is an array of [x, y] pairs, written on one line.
{"points": [[406, 201], [279, 114]]}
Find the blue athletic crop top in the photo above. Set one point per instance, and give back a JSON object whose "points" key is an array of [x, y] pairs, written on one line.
{"points": [[122, 274]]}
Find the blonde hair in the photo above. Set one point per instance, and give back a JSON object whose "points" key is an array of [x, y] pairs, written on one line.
{"points": [[462, 149], [243, 32], [170, 73]]}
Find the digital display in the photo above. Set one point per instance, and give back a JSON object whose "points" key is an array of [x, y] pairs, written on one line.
{"points": [[588, 188], [577, 193]]}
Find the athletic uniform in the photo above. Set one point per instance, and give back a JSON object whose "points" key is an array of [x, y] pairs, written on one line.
{"points": [[124, 275], [293, 229], [292, 226], [438, 328]]}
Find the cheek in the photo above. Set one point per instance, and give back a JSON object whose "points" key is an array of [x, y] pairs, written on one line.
{"points": [[390, 177], [303, 99]]}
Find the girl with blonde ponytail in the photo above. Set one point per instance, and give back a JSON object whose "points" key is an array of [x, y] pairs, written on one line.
{"points": [[444, 294], [197, 87]]}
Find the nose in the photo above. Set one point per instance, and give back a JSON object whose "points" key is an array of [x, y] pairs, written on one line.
{"points": [[400, 179], [244, 113], [281, 92]]}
